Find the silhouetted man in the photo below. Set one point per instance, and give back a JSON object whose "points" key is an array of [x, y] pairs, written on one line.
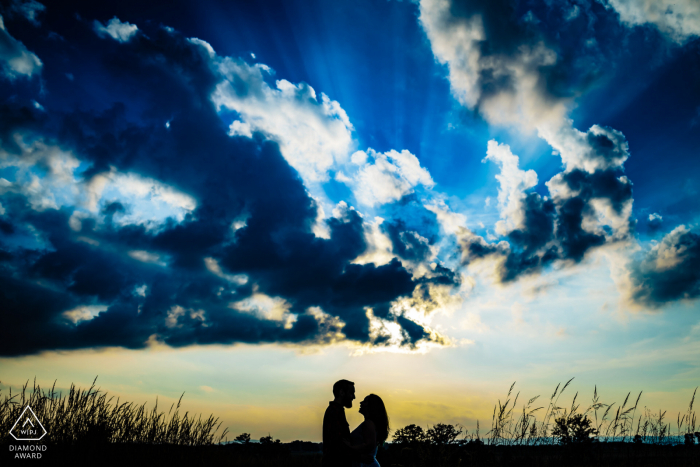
{"points": [[336, 428]]}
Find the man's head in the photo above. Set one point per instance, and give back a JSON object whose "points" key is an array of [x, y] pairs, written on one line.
{"points": [[344, 392]]}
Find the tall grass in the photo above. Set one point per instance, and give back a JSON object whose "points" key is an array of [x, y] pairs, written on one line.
{"points": [[622, 423], [89, 415]]}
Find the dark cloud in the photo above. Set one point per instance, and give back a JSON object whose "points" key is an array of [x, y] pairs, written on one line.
{"points": [[552, 229], [529, 248], [113, 208], [605, 148], [511, 27], [6, 227], [157, 281], [502, 25], [31, 10], [601, 184], [15, 59], [575, 241], [407, 244], [670, 271], [538, 225]]}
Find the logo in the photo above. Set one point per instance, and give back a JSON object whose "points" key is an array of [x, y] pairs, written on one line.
{"points": [[28, 427]]}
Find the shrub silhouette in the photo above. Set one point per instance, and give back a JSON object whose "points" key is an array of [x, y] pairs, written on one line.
{"points": [[267, 441], [243, 438], [689, 439], [575, 429]]}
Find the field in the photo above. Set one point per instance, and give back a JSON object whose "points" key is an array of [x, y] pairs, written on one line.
{"points": [[86, 426]]}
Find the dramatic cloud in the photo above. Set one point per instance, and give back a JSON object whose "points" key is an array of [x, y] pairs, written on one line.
{"points": [[585, 210], [115, 29], [502, 63], [678, 19], [15, 59], [669, 271], [177, 226]]}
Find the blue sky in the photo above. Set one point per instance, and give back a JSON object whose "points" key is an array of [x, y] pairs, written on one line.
{"points": [[432, 184]]}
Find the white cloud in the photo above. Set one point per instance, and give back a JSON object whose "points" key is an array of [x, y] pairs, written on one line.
{"points": [[84, 313], [457, 43], [15, 59], [266, 307], [44, 173], [670, 252], [173, 315], [450, 221], [600, 148], [379, 247], [146, 257], [214, 267], [314, 133], [239, 128], [387, 177], [149, 200], [140, 291], [75, 220], [678, 19], [514, 182], [176, 312], [50, 178], [120, 32]]}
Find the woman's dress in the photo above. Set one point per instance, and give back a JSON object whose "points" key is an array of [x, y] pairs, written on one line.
{"points": [[357, 437]]}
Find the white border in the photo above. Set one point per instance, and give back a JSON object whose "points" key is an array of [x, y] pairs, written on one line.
{"points": [[35, 418]]}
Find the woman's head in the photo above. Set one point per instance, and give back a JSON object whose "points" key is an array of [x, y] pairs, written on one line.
{"points": [[372, 407]]}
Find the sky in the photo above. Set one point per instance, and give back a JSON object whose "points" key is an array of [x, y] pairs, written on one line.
{"points": [[247, 201]]}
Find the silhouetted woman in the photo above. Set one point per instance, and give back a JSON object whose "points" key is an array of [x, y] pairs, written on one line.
{"points": [[371, 433]]}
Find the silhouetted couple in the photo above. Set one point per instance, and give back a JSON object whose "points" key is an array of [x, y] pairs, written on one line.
{"points": [[359, 448]]}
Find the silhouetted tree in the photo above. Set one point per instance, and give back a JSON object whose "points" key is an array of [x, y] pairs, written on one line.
{"points": [[409, 435], [443, 434]]}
